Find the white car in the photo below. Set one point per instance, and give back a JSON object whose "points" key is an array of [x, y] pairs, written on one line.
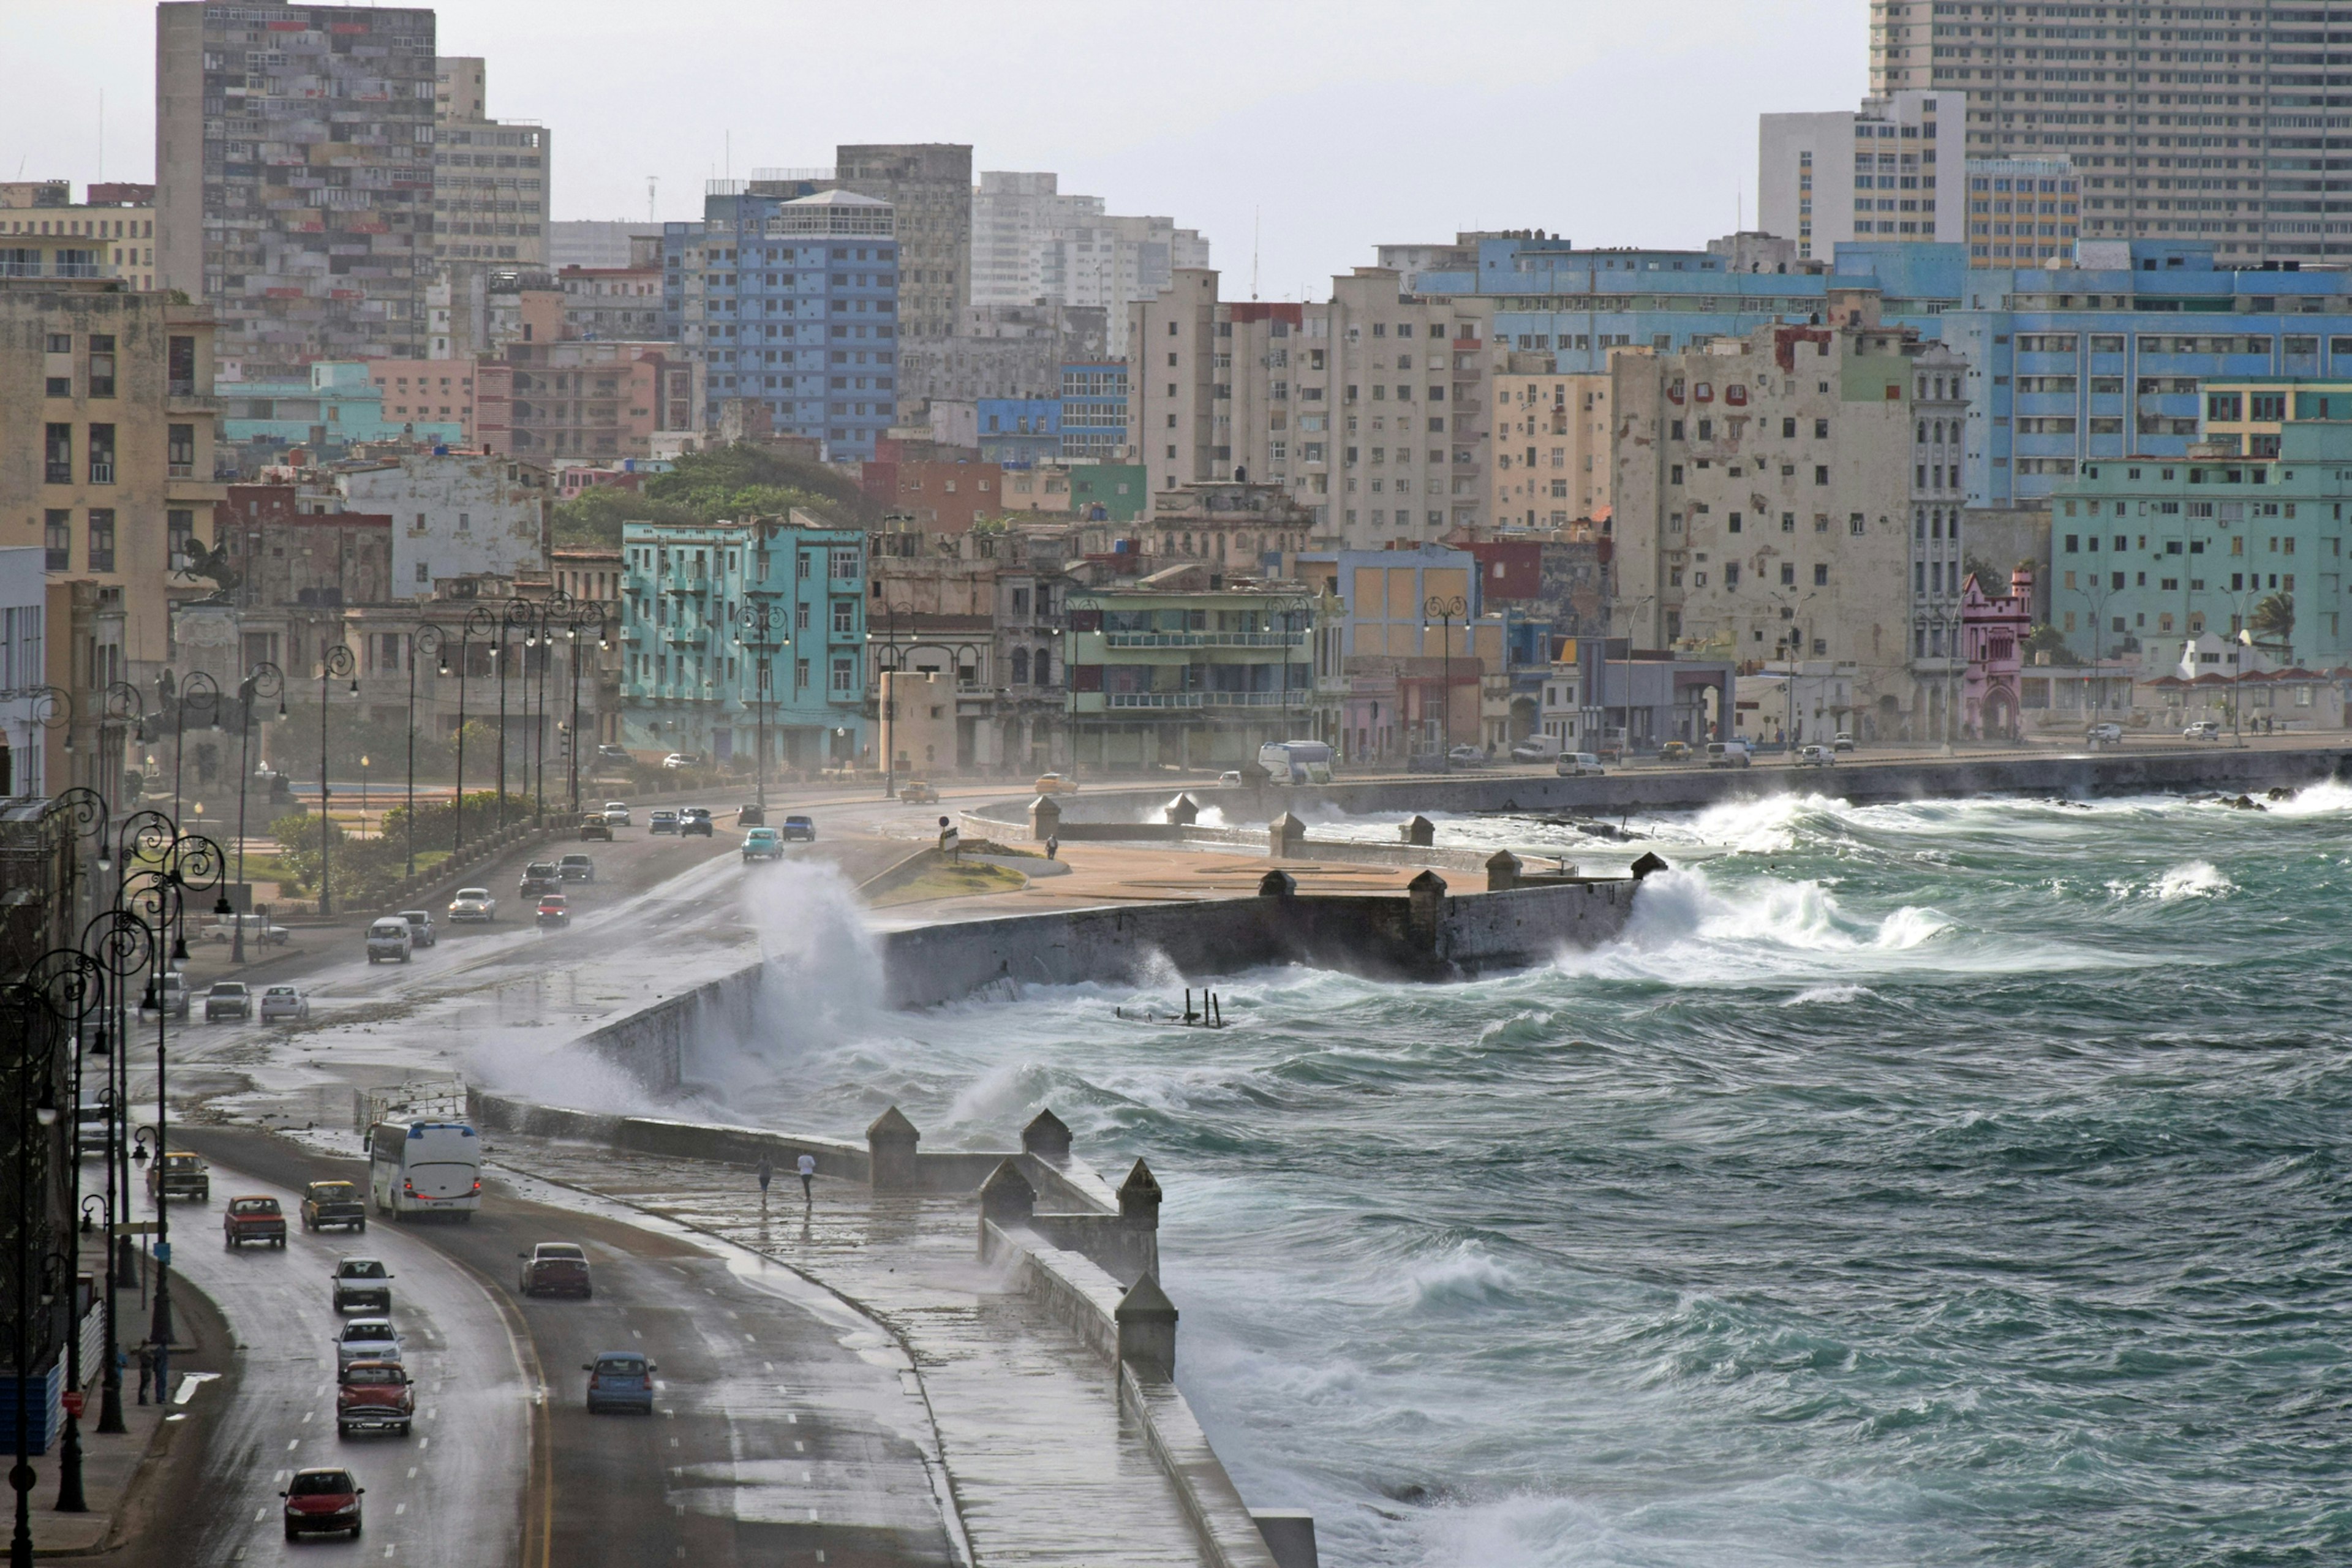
{"points": [[1229, 780], [2106, 734], [1845, 742], [388, 940], [1578, 766], [283, 1002], [616, 814], [1816, 757], [1467, 757], [1728, 755], [366, 1339], [473, 904], [681, 760], [2203, 730]]}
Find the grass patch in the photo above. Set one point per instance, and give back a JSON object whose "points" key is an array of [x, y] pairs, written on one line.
{"points": [[960, 880]]}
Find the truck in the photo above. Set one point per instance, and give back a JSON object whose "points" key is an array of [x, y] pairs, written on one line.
{"points": [[424, 1166], [1296, 762]]}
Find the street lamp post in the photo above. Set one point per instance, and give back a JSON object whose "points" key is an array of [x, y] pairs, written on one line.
{"points": [[424, 642], [585, 613], [758, 625], [265, 680], [1445, 608], [886, 710], [482, 619], [198, 690], [336, 663]]}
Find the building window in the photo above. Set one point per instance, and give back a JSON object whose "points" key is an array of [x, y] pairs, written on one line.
{"points": [[102, 454], [101, 364], [180, 532], [57, 466], [56, 533], [1820, 576], [845, 678], [102, 540], [180, 450]]}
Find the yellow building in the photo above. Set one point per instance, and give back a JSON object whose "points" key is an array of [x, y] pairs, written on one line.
{"points": [[1551, 449], [43, 235], [2021, 211]]}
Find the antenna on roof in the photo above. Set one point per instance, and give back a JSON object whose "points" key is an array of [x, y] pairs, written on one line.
{"points": [[1256, 216], [652, 183]]}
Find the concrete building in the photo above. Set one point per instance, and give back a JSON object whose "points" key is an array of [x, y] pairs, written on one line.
{"points": [[928, 188], [2022, 211], [613, 302], [24, 671], [1093, 410], [327, 409], [1033, 243], [589, 402], [44, 234], [697, 678], [1784, 495], [426, 392], [294, 148], [1995, 621], [108, 425], [935, 494], [1236, 527], [290, 548], [1019, 430], [2184, 124], [1000, 350], [1874, 172], [600, 243], [1551, 448], [456, 515], [493, 180]]}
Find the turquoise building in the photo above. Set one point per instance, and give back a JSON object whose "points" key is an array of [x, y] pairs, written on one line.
{"points": [[732, 630], [335, 408]]}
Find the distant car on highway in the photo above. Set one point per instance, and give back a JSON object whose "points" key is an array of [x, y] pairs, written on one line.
{"points": [[322, 1501], [1578, 766], [554, 909], [576, 869], [662, 822], [337, 1205], [800, 830], [694, 819], [750, 815], [373, 1396], [2203, 730], [389, 939], [366, 1339], [1729, 755], [473, 905], [280, 1002], [1056, 784], [763, 844], [252, 1219], [1816, 757], [228, 999], [620, 1379], [363, 1285], [2107, 734], [1674, 752], [420, 927], [174, 1000], [1535, 749], [556, 1268], [914, 792], [1230, 779], [616, 812], [539, 877], [1465, 757], [222, 927], [609, 752], [677, 760], [1843, 743], [180, 1174], [593, 828]]}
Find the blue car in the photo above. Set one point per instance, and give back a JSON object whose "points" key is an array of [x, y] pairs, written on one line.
{"points": [[800, 830], [620, 1379]]}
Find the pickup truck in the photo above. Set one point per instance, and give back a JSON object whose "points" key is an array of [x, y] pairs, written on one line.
{"points": [[252, 1219], [333, 1203], [180, 1175]]}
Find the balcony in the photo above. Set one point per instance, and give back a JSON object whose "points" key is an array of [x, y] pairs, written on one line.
{"points": [[1204, 639], [1203, 698]]}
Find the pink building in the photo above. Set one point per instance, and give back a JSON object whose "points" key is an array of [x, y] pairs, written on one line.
{"points": [[1993, 633]]}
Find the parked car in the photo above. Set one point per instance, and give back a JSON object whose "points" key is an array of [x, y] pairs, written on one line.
{"points": [[553, 909], [593, 828], [1537, 749], [609, 752], [539, 877], [750, 815], [2107, 734], [222, 927], [914, 792], [252, 1219], [280, 1002], [1815, 757], [322, 1501], [366, 1339], [800, 830], [337, 1206], [90, 1130], [2203, 730], [180, 1174], [620, 1379], [662, 822], [363, 1285], [682, 760], [1056, 784], [763, 844], [1229, 779], [556, 1268], [1843, 743], [1465, 757], [473, 905], [389, 941], [174, 996], [228, 999], [1674, 752], [694, 819], [1425, 762], [421, 931], [373, 1396], [1578, 765], [616, 813], [576, 869], [1728, 755]]}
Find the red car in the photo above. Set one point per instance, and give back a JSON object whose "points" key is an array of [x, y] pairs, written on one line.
{"points": [[322, 1501], [553, 909], [375, 1395], [556, 1268], [252, 1219]]}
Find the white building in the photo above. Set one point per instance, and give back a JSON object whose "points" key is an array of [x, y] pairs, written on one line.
{"points": [[24, 598], [492, 189], [1868, 174], [1033, 242], [457, 515]]}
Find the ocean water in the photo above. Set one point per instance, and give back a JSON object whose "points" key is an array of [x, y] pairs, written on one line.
{"points": [[1948, 1183]]}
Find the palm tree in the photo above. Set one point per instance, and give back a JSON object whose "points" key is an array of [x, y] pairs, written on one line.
{"points": [[2273, 625]]}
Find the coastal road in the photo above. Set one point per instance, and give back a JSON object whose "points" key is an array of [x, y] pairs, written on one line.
{"points": [[785, 1425]]}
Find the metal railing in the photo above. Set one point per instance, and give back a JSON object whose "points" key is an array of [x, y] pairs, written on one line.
{"points": [[1204, 639]]}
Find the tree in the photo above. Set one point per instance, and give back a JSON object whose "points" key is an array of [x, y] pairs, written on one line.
{"points": [[2274, 625], [735, 482], [2049, 639]]}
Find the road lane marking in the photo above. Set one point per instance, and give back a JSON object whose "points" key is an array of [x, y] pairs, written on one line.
{"points": [[673, 1442], [292, 1444], [260, 1514], [306, 1416], [412, 1472], [799, 1446], [425, 1442]]}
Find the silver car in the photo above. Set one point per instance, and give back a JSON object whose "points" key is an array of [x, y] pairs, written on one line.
{"points": [[366, 1339], [616, 813], [473, 904], [283, 1002]]}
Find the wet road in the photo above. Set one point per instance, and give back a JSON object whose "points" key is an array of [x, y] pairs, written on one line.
{"points": [[785, 1425]]}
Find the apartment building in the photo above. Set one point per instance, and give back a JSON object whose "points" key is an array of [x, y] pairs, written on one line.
{"points": [[426, 391], [42, 233], [493, 180], [927, 187], [2185, 121], [590, 402], [294, 148], [108, 422], [613, 302], [2022, 211], [457, 514], [1778, 498], [1879, 171], [1034, 243], [328, 408], [1551, 461]]}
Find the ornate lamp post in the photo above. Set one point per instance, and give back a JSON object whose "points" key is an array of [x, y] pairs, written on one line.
{"points": [[336, 664], [198, 690], [758, 627], [424, 642], [516, 614], [264, 680], [480, 621], [585, 613], [1446, 609], [886, 710]]}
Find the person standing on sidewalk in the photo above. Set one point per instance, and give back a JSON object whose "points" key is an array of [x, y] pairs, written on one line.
{"points": [[808, 1180], [146, 1369], [767, 1173]]}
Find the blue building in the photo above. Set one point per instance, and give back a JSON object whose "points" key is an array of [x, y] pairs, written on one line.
{"points": [[736, 629], [1020, 431], [790, 300]]}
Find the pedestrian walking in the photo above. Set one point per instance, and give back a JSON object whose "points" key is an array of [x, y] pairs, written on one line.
{"points": [[767, 1173], [1053, 846], [146, 1369], [808, 1179]]}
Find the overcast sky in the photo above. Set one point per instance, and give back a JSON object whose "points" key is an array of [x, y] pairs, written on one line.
{"points": [[1331, 127]]}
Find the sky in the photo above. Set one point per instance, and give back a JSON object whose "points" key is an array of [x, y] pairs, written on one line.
{"points": [[1307, 133]]}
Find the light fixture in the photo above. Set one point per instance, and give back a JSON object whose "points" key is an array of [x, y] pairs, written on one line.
{"points": [[281, 704], [44, 1110], [179, 952], [105, 857]]}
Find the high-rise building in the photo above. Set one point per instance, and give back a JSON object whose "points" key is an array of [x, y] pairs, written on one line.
{"points": [[491, 178], [1033, 243], [294, 148], [1881, 171], [929, 186], [2184, 122]]}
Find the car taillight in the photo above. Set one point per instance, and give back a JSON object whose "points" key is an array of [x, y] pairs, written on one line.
{"points": [[477, 1186], [408, 1186]]}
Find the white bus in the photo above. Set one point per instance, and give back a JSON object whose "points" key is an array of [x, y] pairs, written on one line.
{"points": [[1296, 762], [425, 1167]]}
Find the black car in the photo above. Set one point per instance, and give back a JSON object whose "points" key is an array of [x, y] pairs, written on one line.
{"points": [[800, 830], [608, 753], [540, 876], [694, 819]]}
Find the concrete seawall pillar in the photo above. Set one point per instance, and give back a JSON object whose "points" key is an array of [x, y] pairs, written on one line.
{"points": [[1044, 819], [1147, 1328], [1425, 908], [1183, 811], [890, 1145], [1421, 833], [1139, 1216], [1502, 871], [1650, 861], [1006, 1199], [1277, 884], [1289, 1534], [1286, 838], [1048, 1138]]}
